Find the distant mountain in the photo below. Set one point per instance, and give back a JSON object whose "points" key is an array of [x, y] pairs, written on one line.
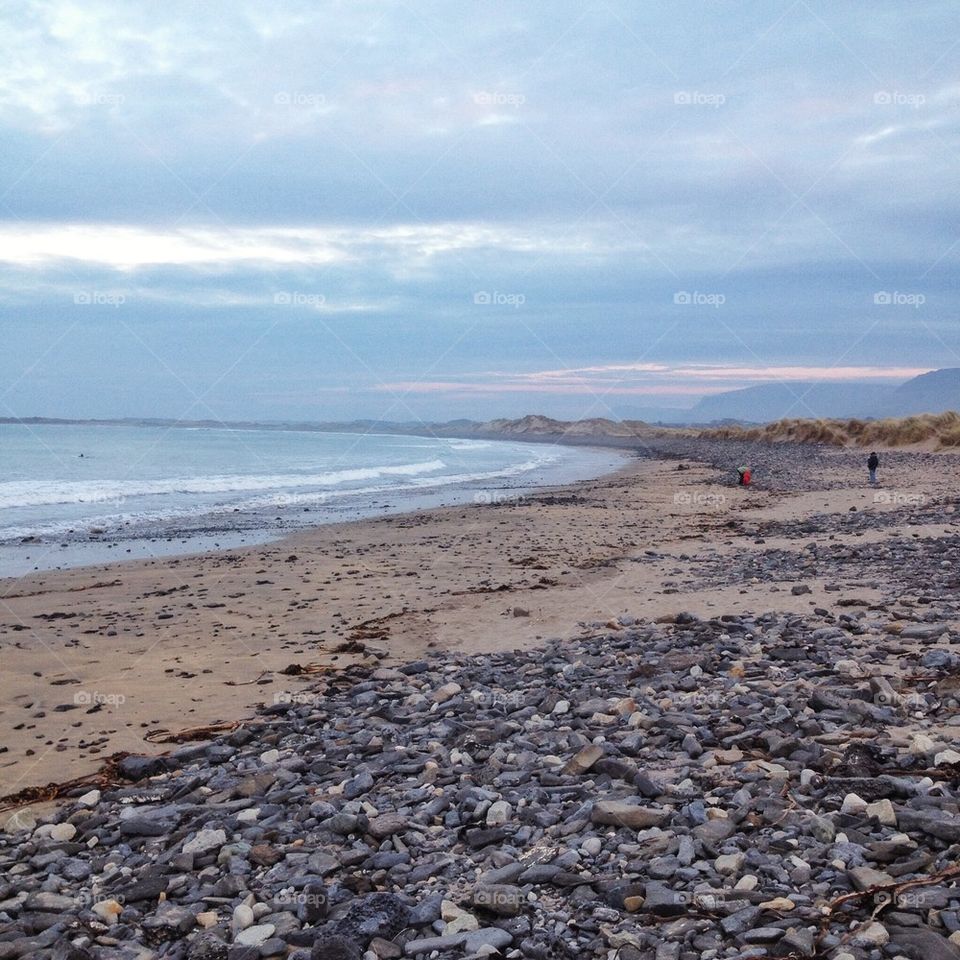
{"points": [[776, 401], [934, 392]]}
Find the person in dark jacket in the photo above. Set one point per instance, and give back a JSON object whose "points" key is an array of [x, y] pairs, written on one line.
{"points": [[872, 463]]}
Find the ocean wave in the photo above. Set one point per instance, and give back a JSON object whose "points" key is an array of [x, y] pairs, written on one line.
{"points": [[180, 518], [38, 493], [460, 444]]}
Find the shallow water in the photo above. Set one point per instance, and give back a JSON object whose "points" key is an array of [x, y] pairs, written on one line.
{"points": [[77, 494]]}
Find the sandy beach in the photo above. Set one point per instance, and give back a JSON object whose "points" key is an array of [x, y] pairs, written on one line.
{"points": [[99, 659]]}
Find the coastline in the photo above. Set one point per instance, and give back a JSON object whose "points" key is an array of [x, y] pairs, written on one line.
{"points": [[98, 658], [112, 680], [94, 543]]}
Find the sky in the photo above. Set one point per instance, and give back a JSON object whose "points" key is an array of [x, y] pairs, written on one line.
{"points": [[425, 210]]}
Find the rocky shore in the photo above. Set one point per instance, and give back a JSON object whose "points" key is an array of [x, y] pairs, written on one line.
{"points": [[700, 785], [743, 786]]}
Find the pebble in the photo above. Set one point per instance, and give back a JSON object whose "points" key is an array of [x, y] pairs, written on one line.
{"points": [[870, 935], [853, 805], [242, 917], [256, 935], [63, 832], [205, 840]]}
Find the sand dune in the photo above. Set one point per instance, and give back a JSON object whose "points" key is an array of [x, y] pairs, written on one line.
{"points": [[939, 431]]}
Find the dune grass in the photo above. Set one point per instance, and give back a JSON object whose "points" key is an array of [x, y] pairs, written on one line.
{"points": [[940, 429]]}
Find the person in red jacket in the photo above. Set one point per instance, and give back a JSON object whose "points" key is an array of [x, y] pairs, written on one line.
{"points": [[744, 474]]}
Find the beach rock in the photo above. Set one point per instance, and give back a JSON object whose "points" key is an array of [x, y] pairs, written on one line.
{"points": [[870, 935], [620, 814], [583, 761], [502, 899], [63, 832], [205, 840], [335, 948], [381, 915], [139, 767], [664, 901], [358, 786], [20, 820], [696, 797], [255, 936], [923, 943], [386, 825], [207, 946], [447, 692]]}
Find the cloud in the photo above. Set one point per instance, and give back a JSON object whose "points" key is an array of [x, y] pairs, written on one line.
{"points": [[397, 159], [755, 374], [651, 379], [124, 247]]}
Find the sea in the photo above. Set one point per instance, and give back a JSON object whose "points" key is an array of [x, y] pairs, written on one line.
{"points": [[79, 494]]}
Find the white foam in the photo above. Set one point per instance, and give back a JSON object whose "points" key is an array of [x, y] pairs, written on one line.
{"points": [[37, 493]]}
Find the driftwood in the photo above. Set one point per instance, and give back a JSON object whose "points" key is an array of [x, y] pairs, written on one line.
{"points": [[106, 776], [80, 589], [204, 732]]}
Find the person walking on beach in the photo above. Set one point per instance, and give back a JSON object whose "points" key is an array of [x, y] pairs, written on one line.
{"points": [[743, 474], [872, 463]]}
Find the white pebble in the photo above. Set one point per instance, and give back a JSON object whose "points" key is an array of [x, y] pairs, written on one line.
{"points": [[63, 832]]}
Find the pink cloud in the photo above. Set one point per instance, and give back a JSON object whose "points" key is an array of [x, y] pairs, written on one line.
{"points": [[453, 386], [649, 379]]}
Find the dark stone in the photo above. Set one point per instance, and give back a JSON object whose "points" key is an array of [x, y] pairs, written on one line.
{"points": [[335, 948], [149, 888], [377, 915], [139, 767], [663, 901], [207, 946], [922, 943]]}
